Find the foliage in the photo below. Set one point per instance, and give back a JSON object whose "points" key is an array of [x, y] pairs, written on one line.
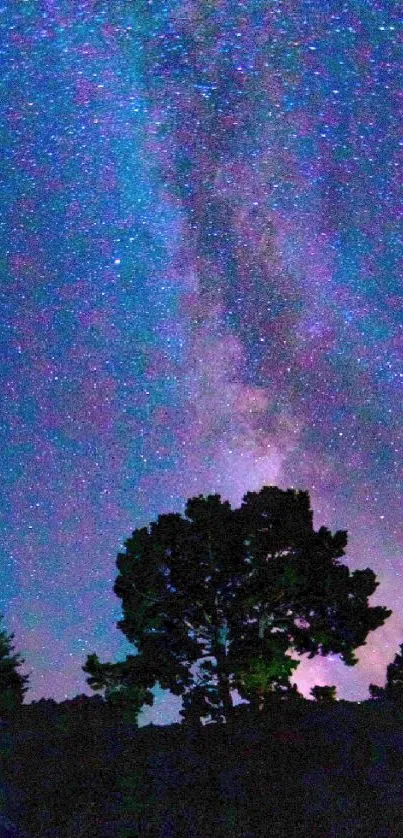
{"points": [[377, 693], [268, 672], [393, 689], [12, 683], [324, 695], [394, 678], [229, 592], [125, 684]]}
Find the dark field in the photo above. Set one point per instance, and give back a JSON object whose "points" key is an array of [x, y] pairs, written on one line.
{"points": [[80, 769]]}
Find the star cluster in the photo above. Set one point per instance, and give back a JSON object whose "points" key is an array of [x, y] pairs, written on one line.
{"points": [[201, 292]]}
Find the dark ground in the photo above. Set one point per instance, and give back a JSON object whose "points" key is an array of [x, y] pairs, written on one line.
{"points": [[80, 769]]}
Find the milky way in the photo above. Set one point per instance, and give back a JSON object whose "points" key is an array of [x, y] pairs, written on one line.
{"points": [[200, 282]]}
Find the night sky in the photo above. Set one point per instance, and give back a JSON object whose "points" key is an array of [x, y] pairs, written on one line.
{"points": [[200, 293]]}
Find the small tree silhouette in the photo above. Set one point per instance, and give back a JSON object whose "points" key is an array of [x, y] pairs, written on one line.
{"points": [[393, 689], [324, 695], [394, 678], [12, 683]]}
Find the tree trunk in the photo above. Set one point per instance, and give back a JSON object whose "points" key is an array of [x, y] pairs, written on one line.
{"points": [[223, 680], [225, 695], [254, 704]]}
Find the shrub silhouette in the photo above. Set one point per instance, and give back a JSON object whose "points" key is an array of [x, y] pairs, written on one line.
{"points": [[324, 695]]}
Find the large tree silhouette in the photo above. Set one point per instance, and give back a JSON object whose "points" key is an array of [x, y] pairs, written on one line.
{"points": [[214, 599], [12, 683]]}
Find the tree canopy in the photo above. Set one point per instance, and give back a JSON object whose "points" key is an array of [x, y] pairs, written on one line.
{"points": [[216, 598]]}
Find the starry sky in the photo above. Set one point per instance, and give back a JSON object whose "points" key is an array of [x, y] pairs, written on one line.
{"points": [[200, 292]]}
